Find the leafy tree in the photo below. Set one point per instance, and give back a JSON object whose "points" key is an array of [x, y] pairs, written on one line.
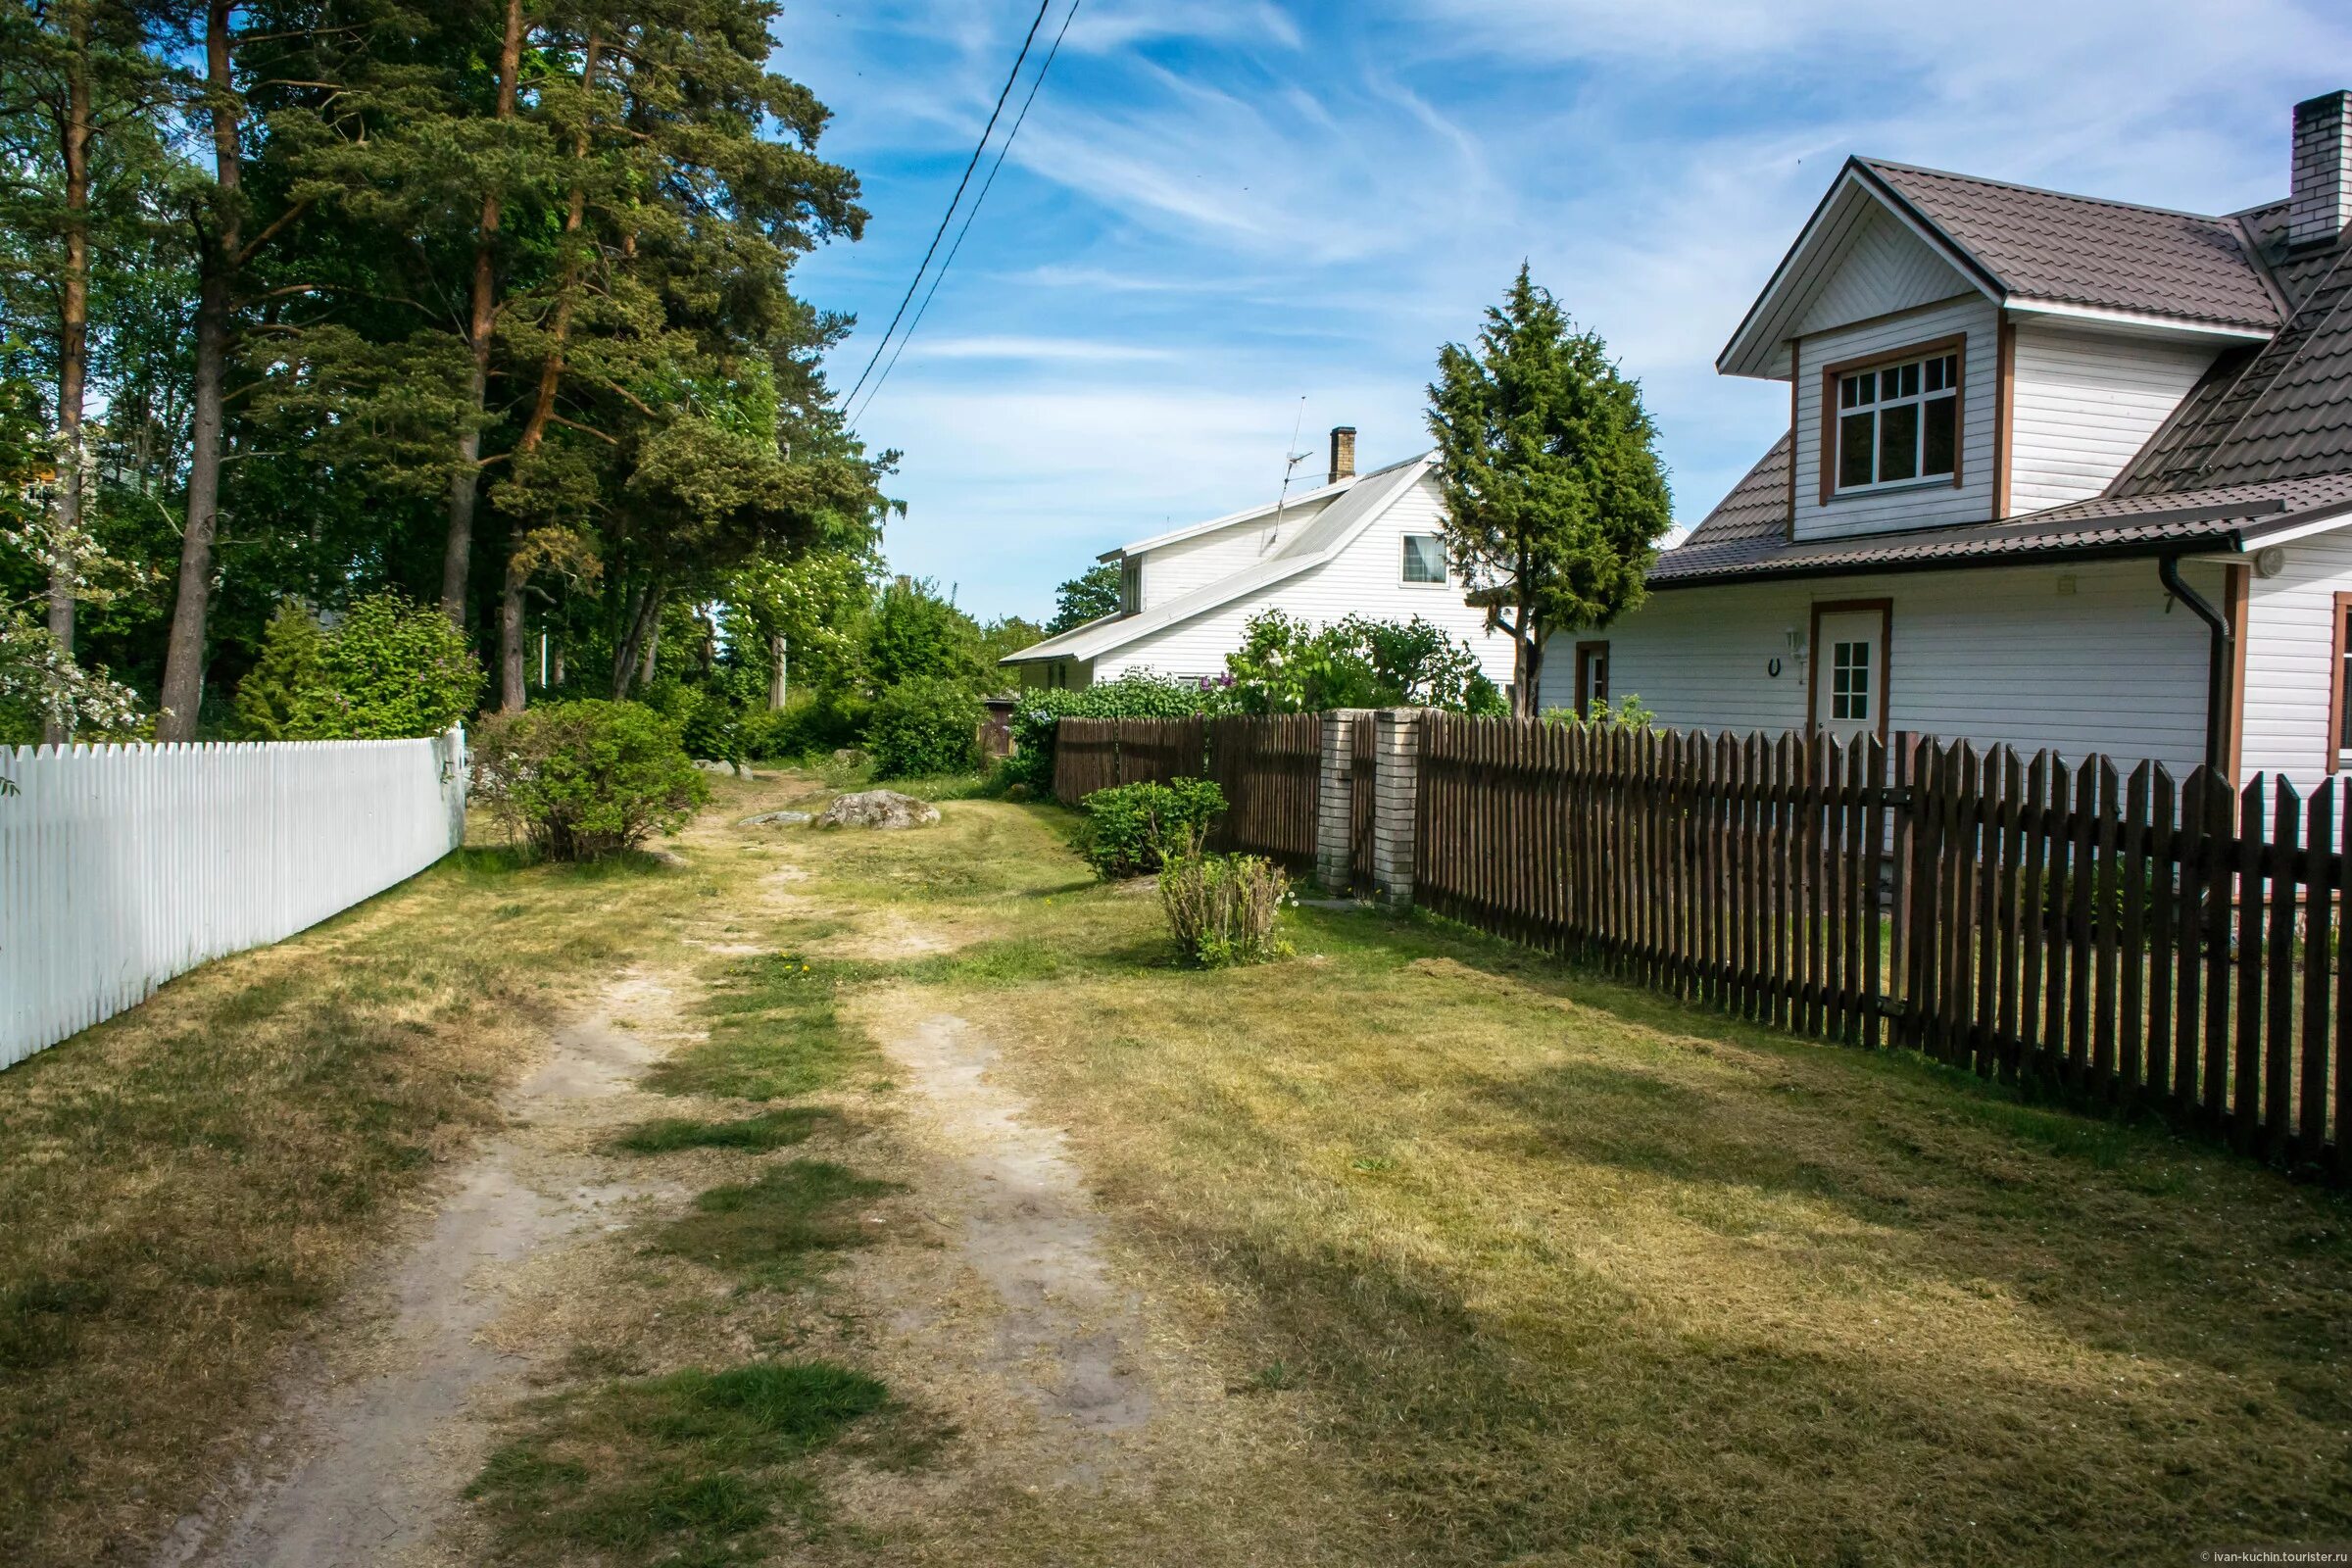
{"points": [[808, 614], [1008, 634], [916, 633], [1555, 498], [924, 724], [1090, 595], [389, 667]]}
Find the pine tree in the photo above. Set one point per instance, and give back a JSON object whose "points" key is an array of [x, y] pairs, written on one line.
{"points": [[1555, 495]]}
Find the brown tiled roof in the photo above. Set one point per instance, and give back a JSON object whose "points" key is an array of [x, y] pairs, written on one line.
{"points": [[2079, 250], [2281, 411], [1748, 547]]}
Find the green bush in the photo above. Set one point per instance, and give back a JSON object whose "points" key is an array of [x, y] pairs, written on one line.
{"points": [[1141, 695], [389, 667], [710, 725], [1133, 829], [926, 724], [810, 723], [580, 781], [1222, 908]]}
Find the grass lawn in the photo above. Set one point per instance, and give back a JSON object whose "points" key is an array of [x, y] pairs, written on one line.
{"points": [[1563, 1272], [188, 1187], [1462, 1256]]}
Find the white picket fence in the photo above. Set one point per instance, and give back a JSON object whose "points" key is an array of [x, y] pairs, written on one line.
{"points": [[123, 865]]}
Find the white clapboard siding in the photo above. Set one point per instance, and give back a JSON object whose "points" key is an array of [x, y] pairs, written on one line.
{"points": [[1879, 267], [121, 867], [1982, 655], [1365, 578], [2085, 404], [2290, 640], [1921, 506]]}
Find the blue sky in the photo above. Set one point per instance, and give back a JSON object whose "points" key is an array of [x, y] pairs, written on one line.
{"points": [[1220, 207]]}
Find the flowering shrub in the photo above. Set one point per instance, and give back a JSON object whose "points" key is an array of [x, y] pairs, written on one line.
{"points": [[1140, 695], [1222, 908]]}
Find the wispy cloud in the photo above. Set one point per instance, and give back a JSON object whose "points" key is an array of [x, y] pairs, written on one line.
{"points": [[1219, 206]]}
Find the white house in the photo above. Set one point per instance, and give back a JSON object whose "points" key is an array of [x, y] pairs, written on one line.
{"points": [[1362, 544], [2060, 472]]}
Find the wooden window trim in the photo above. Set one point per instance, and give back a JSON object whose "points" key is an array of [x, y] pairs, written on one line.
{"points": [[2335, 684], [1583, 690], [1825, 439], [1797, 396], [1833, 607], [2241, 584], [2004, 417]]}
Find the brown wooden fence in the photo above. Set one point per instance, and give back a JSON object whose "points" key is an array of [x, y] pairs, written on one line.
{"points": [[2133, 941], [1157, 749], [1269, 769], [2137, 941], [1086, 757], [1742, 874]]}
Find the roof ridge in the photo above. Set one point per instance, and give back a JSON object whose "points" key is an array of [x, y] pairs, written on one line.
{"points": [[2217, 218]]}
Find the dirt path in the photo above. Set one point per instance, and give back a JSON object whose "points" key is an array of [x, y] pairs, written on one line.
{"points": [[374, 1459], [1067, 1332]]}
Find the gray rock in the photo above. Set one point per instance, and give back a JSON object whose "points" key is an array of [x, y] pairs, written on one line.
{"points": [[785, 819], [882, 809], [849, 754], [670, 858]]}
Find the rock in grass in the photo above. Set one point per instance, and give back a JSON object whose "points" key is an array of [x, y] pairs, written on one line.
{"points": [[781, 818], [882, 809]]}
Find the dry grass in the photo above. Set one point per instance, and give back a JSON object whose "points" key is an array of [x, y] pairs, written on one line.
{"points": [[1564, 1272], [188, 1187]]}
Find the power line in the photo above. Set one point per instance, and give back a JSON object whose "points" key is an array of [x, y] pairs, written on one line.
{"points": [[947, 215], [973, 211]]}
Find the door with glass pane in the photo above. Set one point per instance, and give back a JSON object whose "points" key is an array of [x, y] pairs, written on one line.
{"points": [[1849, 668]]}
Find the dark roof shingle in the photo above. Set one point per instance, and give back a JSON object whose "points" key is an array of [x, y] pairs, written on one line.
{"points": [[2079, 250]]}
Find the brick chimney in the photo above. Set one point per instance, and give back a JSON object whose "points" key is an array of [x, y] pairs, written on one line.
{"points": [[2319, 203], [1342, 452]]}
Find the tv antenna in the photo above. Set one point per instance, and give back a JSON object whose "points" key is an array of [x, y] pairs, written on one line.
{"points": [[1290, 466]]}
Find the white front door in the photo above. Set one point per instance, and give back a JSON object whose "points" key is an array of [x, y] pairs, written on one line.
{"points": [[1849, 671]]}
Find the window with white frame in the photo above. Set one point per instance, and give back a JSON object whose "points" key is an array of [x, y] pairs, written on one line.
{"points": [[1898, 423], [1424, 558], [1849, 680]]}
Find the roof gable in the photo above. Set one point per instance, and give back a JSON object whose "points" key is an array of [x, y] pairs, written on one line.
{"points": [[2044, 245], [2026, 248], [1340, 523]]}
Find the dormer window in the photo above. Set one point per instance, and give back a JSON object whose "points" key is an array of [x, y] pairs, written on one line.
{"points": [[1897, 419]]}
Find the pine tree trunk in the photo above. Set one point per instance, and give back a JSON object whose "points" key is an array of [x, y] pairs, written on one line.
{"points": [[183, 656], [465, 485], [551, 371], [510, 693], [1527, 668], [74, 330]]}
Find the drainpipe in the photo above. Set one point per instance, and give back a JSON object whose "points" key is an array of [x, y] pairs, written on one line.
{"points": [[2220, 660]]}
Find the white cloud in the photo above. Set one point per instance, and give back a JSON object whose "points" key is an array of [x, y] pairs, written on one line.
{"points": [[1063, 350]]}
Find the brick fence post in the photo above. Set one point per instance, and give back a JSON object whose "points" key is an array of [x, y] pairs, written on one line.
{"points": [[1335, 803], [1394, 800]]}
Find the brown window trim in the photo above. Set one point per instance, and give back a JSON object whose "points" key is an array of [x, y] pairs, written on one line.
{"points": [[1583, 691], [2335, 685], [1832, 606], [1826, 436]]}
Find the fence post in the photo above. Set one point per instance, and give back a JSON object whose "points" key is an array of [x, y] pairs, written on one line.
{"points": [[1396, 798], [1335, 803]]}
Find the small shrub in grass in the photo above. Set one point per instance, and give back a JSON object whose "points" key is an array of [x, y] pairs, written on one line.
{"points": [[1132, 830], [580, 781], [1222, 907], [924, 724]]}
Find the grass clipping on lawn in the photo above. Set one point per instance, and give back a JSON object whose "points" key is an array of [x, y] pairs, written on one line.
{"points": [[1573, 1272]]}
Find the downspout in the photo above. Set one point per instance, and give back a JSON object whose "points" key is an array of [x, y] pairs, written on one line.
{"points": [[2221, 660]]}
